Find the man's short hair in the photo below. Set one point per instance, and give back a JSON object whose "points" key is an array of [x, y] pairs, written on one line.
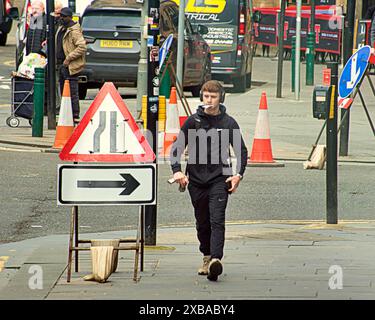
{"points": [[58, 5], [38, 3], [212, 86]]}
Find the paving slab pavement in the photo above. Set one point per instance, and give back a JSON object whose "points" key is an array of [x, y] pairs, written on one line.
{"points": [[258, 264]]}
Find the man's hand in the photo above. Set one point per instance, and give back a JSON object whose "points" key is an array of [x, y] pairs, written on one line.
{"points": [[66, 63], [180, 178], [235, 181]]}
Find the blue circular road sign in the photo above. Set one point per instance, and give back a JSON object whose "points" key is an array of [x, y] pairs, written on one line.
{"points": [[353, 71]]}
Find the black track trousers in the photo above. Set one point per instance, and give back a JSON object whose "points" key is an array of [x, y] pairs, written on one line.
{"points": [[209, 204], [74, 89]]}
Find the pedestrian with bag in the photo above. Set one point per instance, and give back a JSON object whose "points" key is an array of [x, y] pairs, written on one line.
{"points": [[70, 56], [209, 176]]}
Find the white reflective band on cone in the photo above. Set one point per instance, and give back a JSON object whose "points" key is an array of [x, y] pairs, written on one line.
{"points": [[262, 129]]}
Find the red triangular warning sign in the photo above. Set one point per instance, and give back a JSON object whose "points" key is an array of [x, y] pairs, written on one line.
{"points": [[107, 133]]}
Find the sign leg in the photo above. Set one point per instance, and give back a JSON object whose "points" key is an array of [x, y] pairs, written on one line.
{"points": [[142, 236], [137, 247], [366, 111], [317, 140], [75, 210], [371, 84], [70, 252]]}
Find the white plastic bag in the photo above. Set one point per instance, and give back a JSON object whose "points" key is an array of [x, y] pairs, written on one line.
{"points": [[29, 63], [318, 158]]}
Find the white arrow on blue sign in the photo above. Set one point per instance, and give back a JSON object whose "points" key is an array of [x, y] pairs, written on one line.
{"points": [[353, 71], [164, 50]]}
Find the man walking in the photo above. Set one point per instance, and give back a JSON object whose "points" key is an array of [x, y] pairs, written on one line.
{"points": [[70, 56], [209, 133]]}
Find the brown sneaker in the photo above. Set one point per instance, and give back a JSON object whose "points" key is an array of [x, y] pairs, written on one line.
{"points": [[76, 120], [203, 270], [215, 269]]}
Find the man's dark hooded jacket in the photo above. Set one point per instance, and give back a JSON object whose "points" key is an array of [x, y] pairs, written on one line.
{"points": [[36, 34], [209, 138]]}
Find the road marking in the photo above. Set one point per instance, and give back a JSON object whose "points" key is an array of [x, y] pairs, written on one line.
{"points": [[19, 150], [9, 63], [3, 259]]}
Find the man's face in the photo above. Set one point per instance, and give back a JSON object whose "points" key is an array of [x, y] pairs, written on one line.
{"points": [[37, 9], [57, 12], [211, 98], [65, 20]]}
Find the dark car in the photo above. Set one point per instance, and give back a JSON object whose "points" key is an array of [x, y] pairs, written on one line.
{"points": [[7, 13], [112, 31], [197, 53], [113, 38]]}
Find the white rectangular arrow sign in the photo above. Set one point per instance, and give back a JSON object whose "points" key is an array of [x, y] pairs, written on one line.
{"points": [[106, 185]]}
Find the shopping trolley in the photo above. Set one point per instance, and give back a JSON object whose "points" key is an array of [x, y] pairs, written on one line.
{"points": [[22, 101]]}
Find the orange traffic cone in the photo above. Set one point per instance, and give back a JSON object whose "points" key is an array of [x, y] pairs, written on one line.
{"points": [[261, 154], [172, 125], [65, 125]]}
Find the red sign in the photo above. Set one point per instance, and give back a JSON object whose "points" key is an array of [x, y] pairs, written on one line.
{"points": [[107, 133], [327, 77], [344, 103]]}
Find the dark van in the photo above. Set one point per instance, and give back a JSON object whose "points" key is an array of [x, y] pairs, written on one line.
{"points": [[229, 36]]}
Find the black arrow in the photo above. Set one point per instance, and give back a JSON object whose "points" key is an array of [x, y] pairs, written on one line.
{"points": [[129, 184]]}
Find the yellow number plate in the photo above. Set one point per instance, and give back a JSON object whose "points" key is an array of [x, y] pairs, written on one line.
{"points": [[116, 44]]}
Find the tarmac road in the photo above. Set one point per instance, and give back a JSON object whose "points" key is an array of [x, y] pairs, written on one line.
{"points": [[28, 177], [28, 198]]}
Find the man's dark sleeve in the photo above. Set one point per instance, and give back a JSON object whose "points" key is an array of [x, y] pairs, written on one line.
{"points": [[239, 147], [179, 146]]}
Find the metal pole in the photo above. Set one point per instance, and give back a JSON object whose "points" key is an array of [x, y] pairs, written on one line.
{"points": [[51, 67], [331, 140], [348, 51], [152, 105], [312, 21], [280, 50], [293, 64], [310, 56], [142, 64], [298, 49], [310, 50], [37, 129], [180, 42]]}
